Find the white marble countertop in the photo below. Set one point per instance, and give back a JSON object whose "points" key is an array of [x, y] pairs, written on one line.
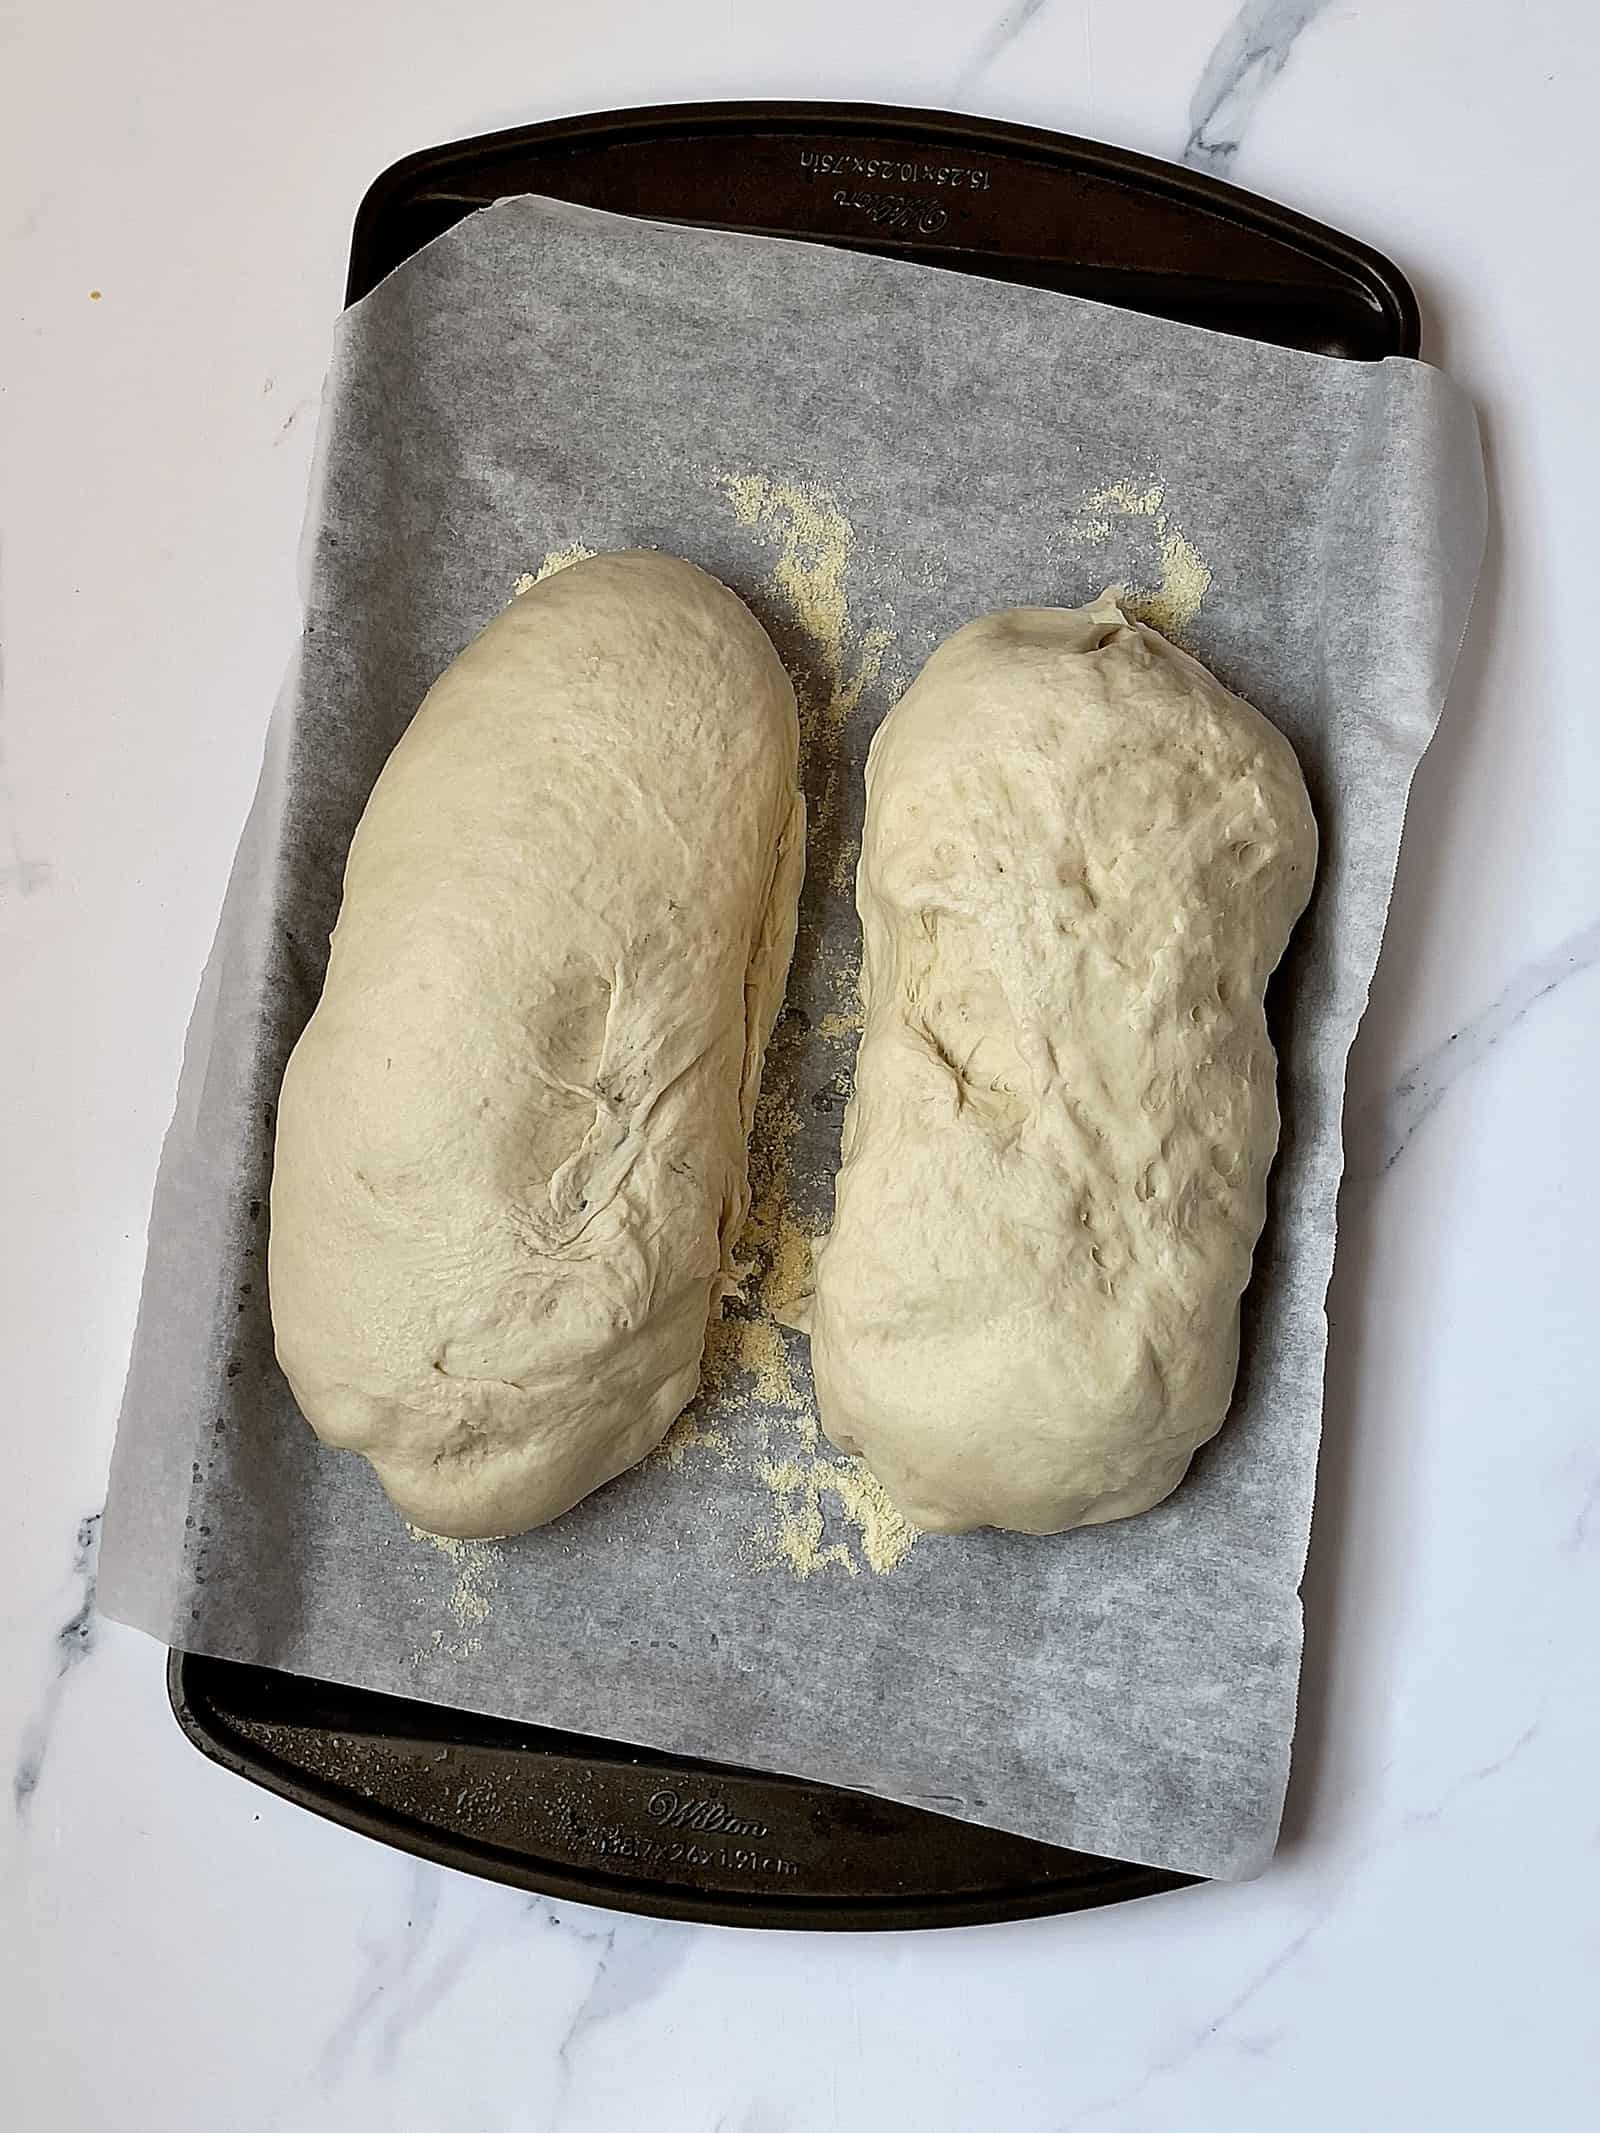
{"points": [[183, 1951]]}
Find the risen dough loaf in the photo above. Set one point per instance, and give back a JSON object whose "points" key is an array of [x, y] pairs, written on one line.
{"points": [[511, 1142], [1082, 859]]}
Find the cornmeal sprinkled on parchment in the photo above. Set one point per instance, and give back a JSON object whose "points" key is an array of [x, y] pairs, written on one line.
{"points": [[808, 580], [1173, 601], [557, 559], [470, 1599], [755, 1412], [847, 1022]]}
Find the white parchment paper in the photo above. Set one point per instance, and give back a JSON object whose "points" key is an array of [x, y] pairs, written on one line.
{"points": [[871, 453]]}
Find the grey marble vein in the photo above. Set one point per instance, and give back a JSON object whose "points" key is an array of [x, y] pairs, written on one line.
{"points": [[1259, 2044], [1002, 33], [1249, 56], [412, 1967], [1196, 2036], [1379, 1134], [1584, 1520], [386, 1994], [71, 1645], [636, 1957], [1469, 1780], [757, 2117]]}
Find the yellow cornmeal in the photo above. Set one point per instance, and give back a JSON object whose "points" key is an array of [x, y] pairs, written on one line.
{"points": [[1171, 605], [844, 1021], [755, 1348], [887, 1535], [755, 1412], [755, 1392], [470, 1599], [1123, 497], [769, 1227], [754, 1362], [556, 559], [883, 1536], [789, 1275], [797, 1491], [815, 541], [691, 1433]]}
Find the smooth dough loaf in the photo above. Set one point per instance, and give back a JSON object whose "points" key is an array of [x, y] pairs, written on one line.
{"points": [[1082, 859], [511, 1156]]}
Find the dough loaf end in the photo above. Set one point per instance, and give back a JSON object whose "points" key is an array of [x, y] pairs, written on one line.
{"points": [[511, 1142], [1082, 859]]}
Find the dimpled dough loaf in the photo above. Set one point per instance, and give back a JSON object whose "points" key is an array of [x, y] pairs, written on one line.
{"points": [[1082, 859], [511, 1142]]}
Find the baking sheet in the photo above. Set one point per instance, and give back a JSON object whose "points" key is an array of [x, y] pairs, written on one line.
{"points": [[871, 453]]}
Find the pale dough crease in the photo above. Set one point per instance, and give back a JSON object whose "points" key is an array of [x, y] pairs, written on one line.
{"points": [[1082, 859], [511, 1143]]}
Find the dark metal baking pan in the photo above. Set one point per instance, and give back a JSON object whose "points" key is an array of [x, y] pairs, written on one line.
{"points": [[970, 194], [595, 1820], [627, 1827]]}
